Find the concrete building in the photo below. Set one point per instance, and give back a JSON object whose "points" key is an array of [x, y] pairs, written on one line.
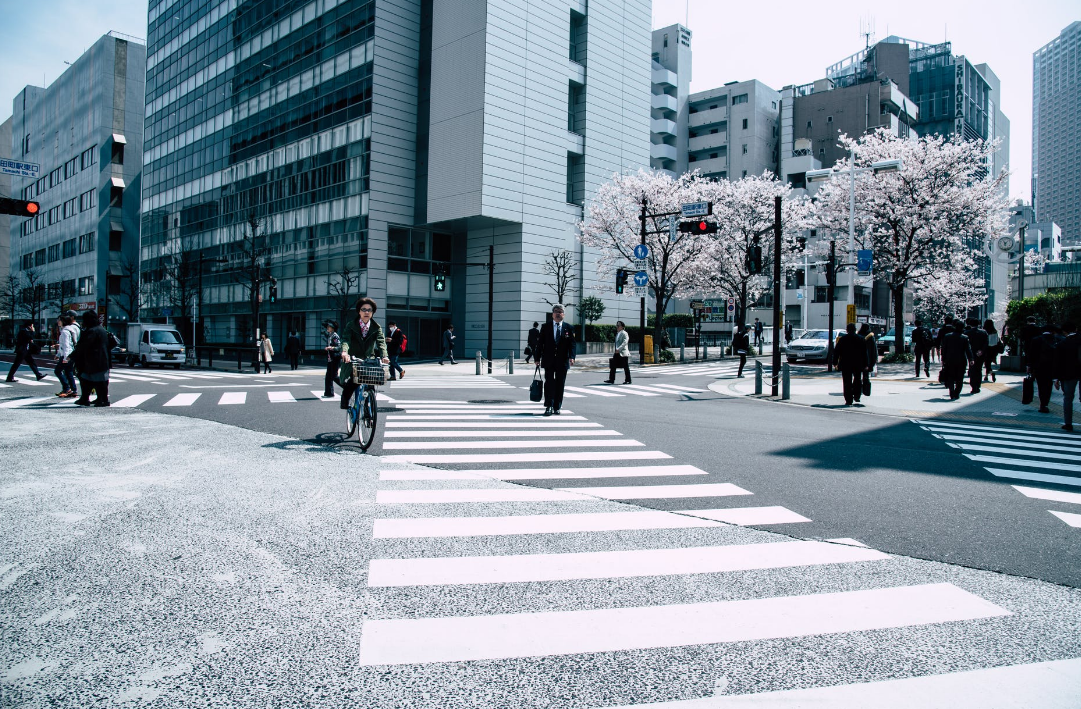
{"points": [[671, 81], [86, 132], [5, 235], [417, 135], [1056, 137], [733, 130]]}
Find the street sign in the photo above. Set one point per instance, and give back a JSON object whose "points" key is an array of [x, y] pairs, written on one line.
{"points": [[641, 278], [167, 312], [864, 258], [851, 313], [19, 169], [799, 296], [641, 252], [731, 307], [697, 305], [640, 291], [696, 209], [673, 229], [640, 264]]}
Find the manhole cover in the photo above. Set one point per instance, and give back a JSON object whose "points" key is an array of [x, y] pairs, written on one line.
{"points": [[488, 401]]}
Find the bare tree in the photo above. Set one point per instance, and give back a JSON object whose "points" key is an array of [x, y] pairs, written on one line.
{"points": [[340, 287], [560, 266], [252, 258], [180, 271], [11, 302], [131, 297], [33, 294]]}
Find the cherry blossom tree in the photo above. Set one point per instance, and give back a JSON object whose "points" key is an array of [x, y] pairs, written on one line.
{"points": [[613, 227], [948, 293], [926, 219]]}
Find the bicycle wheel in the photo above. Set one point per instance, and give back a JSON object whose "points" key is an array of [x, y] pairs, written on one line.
{"points": [[369, 415], [352, 413]]}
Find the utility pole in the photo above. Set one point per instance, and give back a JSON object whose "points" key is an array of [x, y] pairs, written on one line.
{"points": [[642, 303], [491, 300], [831, 278], [1021, 266], [776, 379]]}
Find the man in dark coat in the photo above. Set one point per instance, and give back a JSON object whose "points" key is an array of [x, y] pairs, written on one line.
{"points": [[1041, 364], [921, 348], [448, 344], [1068, 370], [555, 352], [1029, 331], [531, 341], [92, 361], [22, 352], [292, 348], [850, 356], [956, 358], [980, 346], [741, 345]]}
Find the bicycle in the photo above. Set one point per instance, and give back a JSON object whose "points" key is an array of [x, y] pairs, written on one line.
{"points": [[362, 412]]}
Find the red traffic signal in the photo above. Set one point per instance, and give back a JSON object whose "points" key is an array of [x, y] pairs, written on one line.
{"points": [[19, 207], [700, 226]]}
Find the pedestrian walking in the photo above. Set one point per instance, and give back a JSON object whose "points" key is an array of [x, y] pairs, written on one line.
{"points": [[994, 349], [266, 352], [758, 328], [448, 345], [1041, 364], [1029, 331], [24, 352], [396, 346], [850, 356], [978, 342], [92, 361], [621, 358], [956, 358], [334, 358], [65, 369], [788, 332], [871, 345], [741, 344], [555, 352], [922, 344], [531, 340], [293, 348], [1068, 370], [363, 340]]}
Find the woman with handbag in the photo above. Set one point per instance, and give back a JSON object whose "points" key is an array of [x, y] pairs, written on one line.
{"points": [[622, 356], [25, 349], [266, 353], [363, 340]]}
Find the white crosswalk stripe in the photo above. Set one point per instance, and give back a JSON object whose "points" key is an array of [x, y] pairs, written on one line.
{"points": [[130, 402], [233, 397], [182, 400], [280, 397], [1033, 455]]}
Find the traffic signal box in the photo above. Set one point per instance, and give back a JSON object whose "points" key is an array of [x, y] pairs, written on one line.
{"points": [[621, 280], [698, 226], [19, 207]]}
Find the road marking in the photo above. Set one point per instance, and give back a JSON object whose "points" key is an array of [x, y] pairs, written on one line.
{"points": [[1071, 518], [15, 403], [594, 390], [233, 397], [847, 540], [440, 411], [519, 568], [34, 383], [995, 429], [319, 395], [427, 497], [542, 473], [637, 390], [182, 400], [490, 637], [130, 402], [750, 516], [473, 445], [544, 423], [661, 492], [1048, 685], [240, 386], [1038, 493], [648, 388], [478, 417], [1024, 463], [678, 389], [281, 397], [560, 457], [1034, 477], [63, 405], [507, 525], [1017, 451], [1014, 442], [497, 434]]}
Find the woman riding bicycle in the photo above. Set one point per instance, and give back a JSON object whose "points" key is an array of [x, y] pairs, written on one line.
{"points": [[363, 339]]}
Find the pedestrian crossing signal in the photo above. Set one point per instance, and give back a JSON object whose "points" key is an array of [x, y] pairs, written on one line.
{"points": [[440, 282], [273, 294], [621, 280]]}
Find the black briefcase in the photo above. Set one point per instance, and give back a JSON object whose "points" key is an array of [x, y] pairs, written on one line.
{"points": [[866, 387], [536, 387], [1027, 390]]}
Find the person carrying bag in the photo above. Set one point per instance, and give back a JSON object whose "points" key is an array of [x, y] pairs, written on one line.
{"points": [[622, 356], [536, 387]]}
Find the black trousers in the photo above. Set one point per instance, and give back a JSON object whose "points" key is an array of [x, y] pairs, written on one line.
{"points": [[19, 359], [954, 378], [554, 381], [926, 356], [852, 380], [617, 362], [975, 374], [742, 364], [1045, 384], [332, 377], [294, 360]]}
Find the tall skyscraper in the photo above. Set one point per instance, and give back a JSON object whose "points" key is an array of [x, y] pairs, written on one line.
{"points": [[1056, 138], [377, 142], [671, 77]]}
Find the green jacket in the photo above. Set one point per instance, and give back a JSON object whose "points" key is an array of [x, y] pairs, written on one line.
{"points": [[359, 347]]}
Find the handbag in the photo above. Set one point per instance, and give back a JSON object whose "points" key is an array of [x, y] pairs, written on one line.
{"points": [[536, 387], [528, 351], [1027, 390], [866, 385], [34, 347]]}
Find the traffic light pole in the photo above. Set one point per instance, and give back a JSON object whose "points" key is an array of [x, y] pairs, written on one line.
{"points": [[776, 295], [642, 303], [831, 278]]}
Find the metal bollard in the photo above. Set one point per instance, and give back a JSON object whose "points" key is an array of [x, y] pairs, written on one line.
{"points": [[786, 383], [478, 362], [757, 378], [510, 362], [682, 353], [705, 352]]}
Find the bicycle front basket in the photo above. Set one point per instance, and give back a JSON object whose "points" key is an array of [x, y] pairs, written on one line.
{"points": [[370, 372]]}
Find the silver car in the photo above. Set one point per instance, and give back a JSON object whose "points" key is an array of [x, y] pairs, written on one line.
{"points": [[811, 346]]}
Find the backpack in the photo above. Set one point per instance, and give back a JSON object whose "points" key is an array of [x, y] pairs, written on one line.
{"points": [[405, 340]]}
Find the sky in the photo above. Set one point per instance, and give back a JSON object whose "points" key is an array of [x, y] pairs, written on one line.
{"points": [[778, 43]]}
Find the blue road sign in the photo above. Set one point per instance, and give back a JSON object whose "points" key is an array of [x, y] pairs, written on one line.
{"points": [[641, 278], [864, 259], [641, 251], [167, 312]]}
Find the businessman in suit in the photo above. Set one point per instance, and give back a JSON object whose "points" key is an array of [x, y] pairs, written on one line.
{"points": [[555, 352]]}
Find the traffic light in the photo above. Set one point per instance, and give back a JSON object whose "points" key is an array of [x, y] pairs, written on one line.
{"points": [[19, 207], [273, 294], [699, 226], [621, 280], [831, 273], [754, 262], [440, 283]]}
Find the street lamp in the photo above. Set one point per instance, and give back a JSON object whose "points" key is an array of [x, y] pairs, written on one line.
{"points": [[879, 167]]}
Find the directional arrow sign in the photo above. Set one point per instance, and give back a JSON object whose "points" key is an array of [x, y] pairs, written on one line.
{"points": [[641, 278], [641, 251]]}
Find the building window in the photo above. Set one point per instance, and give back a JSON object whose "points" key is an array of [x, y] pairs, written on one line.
{"points": [[26, 144], [116, 241], [712, 155], [693, 158], [744, 124], [736, 100], [118, 154], [116, 196], [28, 261], [71, 167], [86, 243], [808, 125], [67, 288], [774, 105], [40, 258], [744, 173], [744, 148], [86, 285], [69, 248], [829, 120], [88, 200], [88, 157], [54, 253]]}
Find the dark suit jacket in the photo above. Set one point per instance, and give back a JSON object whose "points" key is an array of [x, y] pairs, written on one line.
{"points": [[1040, 354], [22, 341], [448, 339], [1067, 362], [956, 352], [850, 354], [552, 354], [532, 338], [91, 354], [978, 341], [292, 345]]}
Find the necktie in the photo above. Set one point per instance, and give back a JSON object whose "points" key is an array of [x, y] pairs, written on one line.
{"points": [[557, 331]]}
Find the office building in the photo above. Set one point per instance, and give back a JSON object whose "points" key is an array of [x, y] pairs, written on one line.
{"points": [[5, 233], [85, 130], [413, 135], [1056, 137], [671, 81], [733, 130]]}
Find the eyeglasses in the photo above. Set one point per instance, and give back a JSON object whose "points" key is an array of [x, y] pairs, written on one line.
{"points": [[365, 310]]}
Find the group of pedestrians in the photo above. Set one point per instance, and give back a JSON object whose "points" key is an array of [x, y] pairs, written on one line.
{"points": [[1051, 355], [83, 357]]}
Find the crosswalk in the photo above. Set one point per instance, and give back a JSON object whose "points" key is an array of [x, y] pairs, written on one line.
{"points": [[458, 529], [723, 368], [608, 391], [1022, 454]]}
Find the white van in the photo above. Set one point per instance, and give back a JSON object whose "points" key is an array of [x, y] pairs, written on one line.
{"points": [[149, 344]]}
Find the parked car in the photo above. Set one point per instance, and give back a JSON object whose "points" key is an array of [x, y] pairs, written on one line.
{"points": [[811, 346], [885, 342], [119, 355]]}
